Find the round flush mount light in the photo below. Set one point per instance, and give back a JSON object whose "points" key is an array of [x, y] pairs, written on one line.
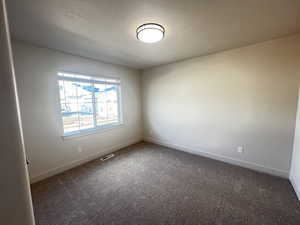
{"points": [[150, 32]]}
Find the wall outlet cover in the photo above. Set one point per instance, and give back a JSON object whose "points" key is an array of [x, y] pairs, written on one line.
{"points": [[240, 149]]}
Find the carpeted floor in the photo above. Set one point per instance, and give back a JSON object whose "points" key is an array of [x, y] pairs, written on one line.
{"points": [[150, 184]]}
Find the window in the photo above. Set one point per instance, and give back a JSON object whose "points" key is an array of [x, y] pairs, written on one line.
{"points": [[88, 103]]}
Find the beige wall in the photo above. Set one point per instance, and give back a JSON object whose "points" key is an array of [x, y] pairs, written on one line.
{"points": [[36, 70], [243, 97], [15, 198]]}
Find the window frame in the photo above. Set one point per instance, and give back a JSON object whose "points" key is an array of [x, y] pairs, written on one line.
{"points": [[93, 80]]}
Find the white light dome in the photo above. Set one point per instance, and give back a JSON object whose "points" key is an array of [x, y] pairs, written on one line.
{"points": [[150, 32]]}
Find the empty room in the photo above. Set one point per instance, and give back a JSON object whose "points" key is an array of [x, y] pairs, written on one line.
{"points": [[150, 112]]}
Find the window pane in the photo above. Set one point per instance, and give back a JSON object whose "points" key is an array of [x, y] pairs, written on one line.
{"points": [[70, 117], [86, 115], [68, 109], [84, 92], [101, 113], [71, 122], [111, 93], [100, 95], [100, 104], [107, 104], [112, 112], [112, 103], [70, 91]]}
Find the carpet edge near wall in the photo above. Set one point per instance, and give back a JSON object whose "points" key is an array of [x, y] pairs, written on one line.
{"points": [[295, 186], [237, 162], [75, 163]]}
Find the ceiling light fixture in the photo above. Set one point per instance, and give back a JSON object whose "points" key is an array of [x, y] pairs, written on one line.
{"points": [[150, 32]]}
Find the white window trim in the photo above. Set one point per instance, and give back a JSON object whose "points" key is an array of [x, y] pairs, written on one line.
{"points": [[92, 131], [96, 129]]}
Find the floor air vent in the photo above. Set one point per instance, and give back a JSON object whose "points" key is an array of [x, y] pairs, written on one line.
{"points": [[107, 157]]}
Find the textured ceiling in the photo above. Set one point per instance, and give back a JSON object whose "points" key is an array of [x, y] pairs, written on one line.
{"points": [[105, 29]]}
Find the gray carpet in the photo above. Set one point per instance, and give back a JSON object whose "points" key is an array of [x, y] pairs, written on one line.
{"points": [[150, 184]]}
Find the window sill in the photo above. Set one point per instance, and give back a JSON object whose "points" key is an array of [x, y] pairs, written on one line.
{"points": [[92, 131]]}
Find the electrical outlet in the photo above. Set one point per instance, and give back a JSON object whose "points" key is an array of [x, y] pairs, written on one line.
{"points": [[240, 149], [79, 149]]}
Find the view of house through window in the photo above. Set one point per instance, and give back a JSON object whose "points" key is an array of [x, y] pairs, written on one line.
{"points": [[88, 103]]}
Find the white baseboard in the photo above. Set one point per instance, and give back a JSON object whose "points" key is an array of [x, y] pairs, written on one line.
{"points": [[295, 186], [238, 162], [75, 163]]}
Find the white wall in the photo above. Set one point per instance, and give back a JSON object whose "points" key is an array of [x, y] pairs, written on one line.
{"points": [[295, 167], [15, 198], [36, 73], [206, 105], [243, 97]]}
